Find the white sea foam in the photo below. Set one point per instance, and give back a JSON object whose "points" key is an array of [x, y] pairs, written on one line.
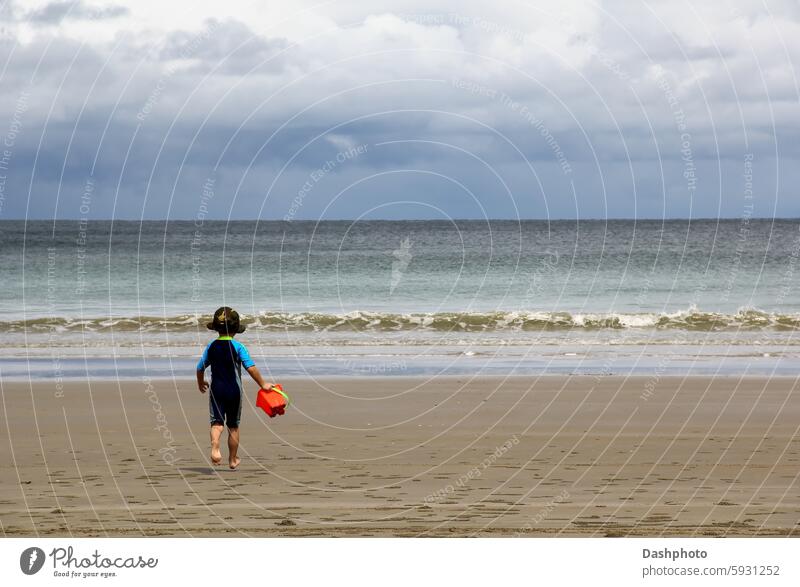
{"points": [[692, 319]]}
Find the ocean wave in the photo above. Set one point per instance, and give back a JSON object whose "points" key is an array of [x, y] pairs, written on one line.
{"points": [[693, 319]]}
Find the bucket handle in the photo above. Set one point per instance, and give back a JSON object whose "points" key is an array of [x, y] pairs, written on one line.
{"points": [[280, 391]]}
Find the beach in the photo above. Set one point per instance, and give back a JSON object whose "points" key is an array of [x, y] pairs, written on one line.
{"points": [[408, 456]]}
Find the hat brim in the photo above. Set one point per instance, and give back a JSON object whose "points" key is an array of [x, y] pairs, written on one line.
{"points": [[242, 327]]}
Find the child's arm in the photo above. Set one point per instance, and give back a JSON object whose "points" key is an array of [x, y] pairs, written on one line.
{"points": [[256, 375], [202, 384], [250, 365]]}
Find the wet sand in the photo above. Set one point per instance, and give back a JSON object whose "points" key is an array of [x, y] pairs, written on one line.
{"points": [[579, 456]]}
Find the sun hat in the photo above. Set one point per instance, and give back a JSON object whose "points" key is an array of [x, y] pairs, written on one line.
{"points": [[226, 322]]}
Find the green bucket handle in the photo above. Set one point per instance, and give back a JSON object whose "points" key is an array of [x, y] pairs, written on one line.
{"points": [[286, 397]]}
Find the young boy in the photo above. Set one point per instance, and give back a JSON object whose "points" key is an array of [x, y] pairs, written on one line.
{"points": [[226, 357]]}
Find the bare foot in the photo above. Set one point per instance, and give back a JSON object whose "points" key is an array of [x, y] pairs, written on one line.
{"points": [[234, 462], [216, 455]]}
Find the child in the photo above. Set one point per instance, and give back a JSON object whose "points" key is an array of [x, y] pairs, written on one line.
{"points": [[226, 358]]}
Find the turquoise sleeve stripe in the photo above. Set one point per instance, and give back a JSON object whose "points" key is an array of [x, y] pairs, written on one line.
{"points": [[203, 363], [244, 356]]}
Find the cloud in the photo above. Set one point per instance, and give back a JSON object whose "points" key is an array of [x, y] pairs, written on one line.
{"points": [[55, 12], [227, 47], [488, 97]]}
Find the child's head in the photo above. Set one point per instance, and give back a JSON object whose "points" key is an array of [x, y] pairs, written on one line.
{"points": [[226, 322]]}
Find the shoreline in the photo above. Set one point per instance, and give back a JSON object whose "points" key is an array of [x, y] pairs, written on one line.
{"points": [[410, 456], [464, 362]]}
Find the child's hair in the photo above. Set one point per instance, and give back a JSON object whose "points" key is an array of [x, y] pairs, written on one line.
{"points": [[226, 322]]}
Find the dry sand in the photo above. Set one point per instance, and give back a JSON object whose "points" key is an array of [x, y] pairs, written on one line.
{"points": [[362, 457]]}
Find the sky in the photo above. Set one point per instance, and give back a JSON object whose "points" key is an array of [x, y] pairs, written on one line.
{"points": [[343, 110]]}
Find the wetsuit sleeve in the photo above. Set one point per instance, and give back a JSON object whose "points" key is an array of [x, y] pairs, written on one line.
{"points": [[203, 363], [244, 356]]}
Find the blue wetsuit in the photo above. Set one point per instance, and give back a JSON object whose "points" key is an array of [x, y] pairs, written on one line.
{"points": [[226, 357]]}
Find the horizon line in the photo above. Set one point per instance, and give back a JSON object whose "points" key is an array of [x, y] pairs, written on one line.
{"points": [[560, 219]]}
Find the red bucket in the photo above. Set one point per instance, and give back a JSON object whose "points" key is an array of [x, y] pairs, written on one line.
{"points": [[273, 401]]}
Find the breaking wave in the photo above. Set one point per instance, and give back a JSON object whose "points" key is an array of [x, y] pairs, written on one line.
{"points": [[690, 320]]}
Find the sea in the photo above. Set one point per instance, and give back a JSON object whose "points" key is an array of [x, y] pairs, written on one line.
{"points": [[128, 299]]}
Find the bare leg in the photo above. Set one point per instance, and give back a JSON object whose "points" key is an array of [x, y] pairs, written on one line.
{"points": [[216, 432], [233, 447]]}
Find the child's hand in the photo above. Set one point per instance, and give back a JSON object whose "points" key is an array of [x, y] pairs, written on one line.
{"points": [[202, 386]]}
